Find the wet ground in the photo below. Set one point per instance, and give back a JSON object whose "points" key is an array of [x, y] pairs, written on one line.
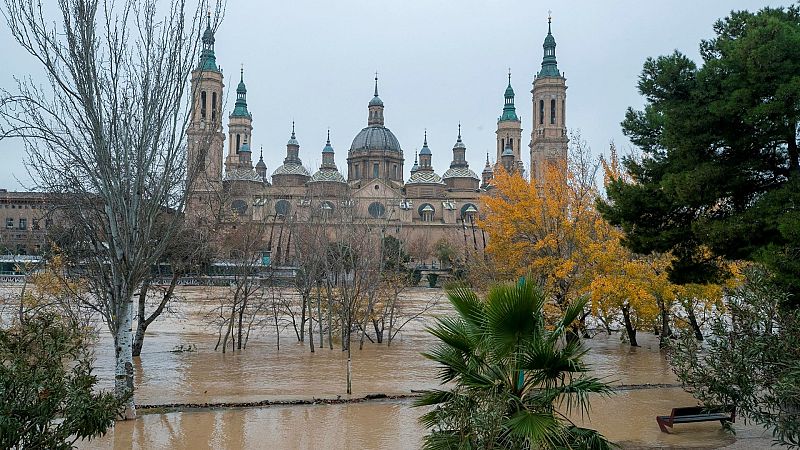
{"points": [[261, 372]]}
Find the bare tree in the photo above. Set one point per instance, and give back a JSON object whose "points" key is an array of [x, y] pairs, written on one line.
{"points": [[107, 134]]}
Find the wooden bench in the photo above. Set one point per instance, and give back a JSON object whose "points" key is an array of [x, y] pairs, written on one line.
{"points": [[695, 414]]}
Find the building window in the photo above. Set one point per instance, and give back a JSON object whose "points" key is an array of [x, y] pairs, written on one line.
{"points": [[35, 224], [563, 116], [213, 106], [23, 224], [327, 208], [9, 222], [541, 112], [282, 208], [511, 143], [426, 212], [238, 142], [502, 145], [377, 210], [203, 105], [355, 170], [552, 112], [376, 170], [394, 172]]}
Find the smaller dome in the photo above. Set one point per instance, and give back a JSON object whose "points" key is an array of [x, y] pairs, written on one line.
{"points": [[488, 169], [328, 148], [376, 101], [291, 169], [329, 175], [459, 172], [245, 148], [242, 175], [261, 164], [509, 90], [425, 150], [293, 141], [425, 177], [508, 151]]}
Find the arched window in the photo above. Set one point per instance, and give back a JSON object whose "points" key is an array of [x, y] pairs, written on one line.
{"points": [[511, 143], [394, 171], [377, 210], [426, 212], [239, 207], [552, 112], [376, 170], [213, 106], [469, 213], [541, 112], [238, 142], [563, 114], [502, 144], [327, 208], [203, 105]]}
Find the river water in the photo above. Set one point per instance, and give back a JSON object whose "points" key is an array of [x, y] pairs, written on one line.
{"points": [[261, 372]]}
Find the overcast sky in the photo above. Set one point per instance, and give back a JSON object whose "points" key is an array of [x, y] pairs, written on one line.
{"points": [[439, 62]]}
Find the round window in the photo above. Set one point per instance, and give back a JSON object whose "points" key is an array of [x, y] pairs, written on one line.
{"points": [[239, 207], [377, 210]]}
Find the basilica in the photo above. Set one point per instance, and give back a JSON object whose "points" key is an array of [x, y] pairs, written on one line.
{"points": [[428, 205]]}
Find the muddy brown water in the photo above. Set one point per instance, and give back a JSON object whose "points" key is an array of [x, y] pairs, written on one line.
{"points": [[262, 372]]}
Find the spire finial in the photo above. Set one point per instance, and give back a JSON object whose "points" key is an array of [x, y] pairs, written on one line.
{"points": [[425, 143], [241, 73], [415, 157], [509, 76], [459, 130], [376, 83], [549, 20], [261, 153], [293, 130], [329, 136]]}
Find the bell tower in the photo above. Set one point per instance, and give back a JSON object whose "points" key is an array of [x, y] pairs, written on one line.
{"points": [[509, 130], [549, 136], [240, 130], [205, 139]]}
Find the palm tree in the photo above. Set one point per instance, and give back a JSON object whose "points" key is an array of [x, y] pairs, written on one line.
{"points": [[514, 378]]}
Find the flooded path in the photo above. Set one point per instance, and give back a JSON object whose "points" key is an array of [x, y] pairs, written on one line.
{"points": [[261, 372]]}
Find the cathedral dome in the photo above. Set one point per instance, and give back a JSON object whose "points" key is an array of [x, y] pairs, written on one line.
{"points": [[330, 175], [425, 177], [460, 172], [375, 138], [291, 169]]}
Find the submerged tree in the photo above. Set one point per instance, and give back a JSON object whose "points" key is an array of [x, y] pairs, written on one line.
{"points": [[107, 137], [48, 393], [513, 378], [750, 360]]}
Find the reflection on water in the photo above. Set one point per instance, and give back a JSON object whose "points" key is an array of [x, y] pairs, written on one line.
{"points": [[263, 373], [379, 425]]}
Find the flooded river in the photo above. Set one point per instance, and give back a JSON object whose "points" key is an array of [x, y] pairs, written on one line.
{"points": [[261, 372]]}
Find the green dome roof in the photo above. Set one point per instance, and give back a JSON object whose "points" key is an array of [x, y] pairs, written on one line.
{"points": [[549, 63]]}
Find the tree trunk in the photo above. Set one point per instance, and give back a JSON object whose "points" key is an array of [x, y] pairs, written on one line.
{"points": [[626, 315], [794, 155], [319, 317], [666, 332], [693, 322], [144, 322], [310, 325], [302, 336], [123, 373]]}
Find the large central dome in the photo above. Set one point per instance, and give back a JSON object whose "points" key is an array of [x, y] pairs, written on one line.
{"points": [[375, 138]]}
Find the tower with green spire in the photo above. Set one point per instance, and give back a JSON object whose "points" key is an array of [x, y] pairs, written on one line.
{"points": [[549, 139], [208, 61], [240, 129], [205, 138], [509, 129]]}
